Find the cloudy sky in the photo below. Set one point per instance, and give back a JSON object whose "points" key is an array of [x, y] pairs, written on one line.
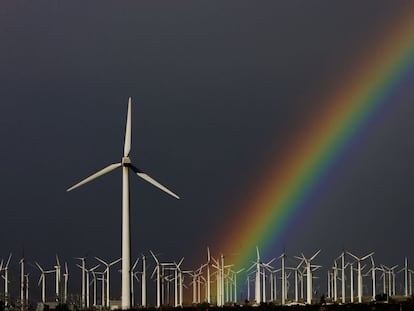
{"points": [[219, 88]]}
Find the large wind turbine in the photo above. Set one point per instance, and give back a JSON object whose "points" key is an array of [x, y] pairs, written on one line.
{"points": [[126, 245]]}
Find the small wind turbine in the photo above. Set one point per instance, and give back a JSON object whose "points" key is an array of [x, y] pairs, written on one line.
{"points": [[42, 280], [87, 271], [26, 280], [65, 284], [6, 281], [57, 279], [235, 273], [283, 258], [405, 269], [157, 268], [360, 273], [308, 262], [208, 276], [256, 264], [22, 285], [132, 281], [126, 245], [108, 265], [82, 259]]}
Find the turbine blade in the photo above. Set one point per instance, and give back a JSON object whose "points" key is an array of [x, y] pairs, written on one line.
{"points": [[316, 254], [153, 255], [180, 262], [153, 181], [8, 260], [103, 171], [115, 261], [135, 264], [127, 145], [101, 260], [40, 279], [40, 268], [352, 255], [369, 255]]}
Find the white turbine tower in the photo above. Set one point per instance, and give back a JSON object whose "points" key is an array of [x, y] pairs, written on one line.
{"points": [[22, 285], [6, 281], [132, 281], [405, 270], [57, 277], [126, 245], [144, 283], [283, 294], [257, 295], [360, 273], [208, 276], [65, 284], [83, 296]]}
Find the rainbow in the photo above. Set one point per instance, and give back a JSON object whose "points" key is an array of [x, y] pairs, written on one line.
{"points": [[286, 188]]}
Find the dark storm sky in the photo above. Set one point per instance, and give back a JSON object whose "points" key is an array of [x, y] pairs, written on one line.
{"points": [[217, 87]]}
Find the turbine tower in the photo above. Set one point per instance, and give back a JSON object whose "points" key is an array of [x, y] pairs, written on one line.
{"points": [[126, 245]]}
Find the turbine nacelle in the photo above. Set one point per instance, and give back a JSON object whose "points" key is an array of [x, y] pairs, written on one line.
{"points": [[126, 161]]}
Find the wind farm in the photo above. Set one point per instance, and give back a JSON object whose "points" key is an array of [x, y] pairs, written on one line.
{"points": [[174, 285], [272, 141]]}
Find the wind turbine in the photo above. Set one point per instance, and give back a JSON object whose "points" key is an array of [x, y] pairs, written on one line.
{"points": [[405, 269], [94, 288], [6, 281], [208, 276], [87, 271], [157, 268], [65, 284], [108, 265], [22, 285], [57, 279], [283, 258], [82, 259], [132, 281], [42, 280], [126, 245], [360, 273], [308, 262], [26, 280], [180, 280], [343, 277], [256, 264], [235, 273], [373, 278]]}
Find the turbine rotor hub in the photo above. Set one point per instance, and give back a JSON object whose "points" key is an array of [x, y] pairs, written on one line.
{"points": [[126, 161]]}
